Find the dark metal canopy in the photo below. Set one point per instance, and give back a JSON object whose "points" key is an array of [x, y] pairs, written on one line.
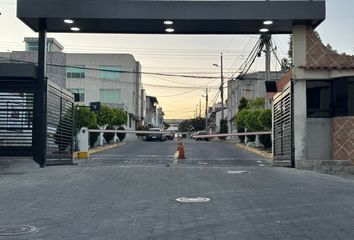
{"points": [[188, 16]]}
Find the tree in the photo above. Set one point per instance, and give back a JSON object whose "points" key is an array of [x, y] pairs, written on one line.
{"points": [[243, 104], [255, 104], [121, 136], [265, 119], [84, 118], [241, 122], [197, 124], [120, 117], [105, 116], [252, 124], [166, 125], [109, 136]]}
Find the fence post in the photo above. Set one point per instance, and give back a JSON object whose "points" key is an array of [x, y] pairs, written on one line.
{"points": [[83, 144]]}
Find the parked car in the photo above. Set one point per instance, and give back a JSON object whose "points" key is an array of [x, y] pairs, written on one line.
{"points": [[155, 137], [202, 133]]}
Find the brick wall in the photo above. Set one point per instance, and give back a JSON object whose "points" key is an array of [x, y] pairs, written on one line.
{"points": [[343, 138]]}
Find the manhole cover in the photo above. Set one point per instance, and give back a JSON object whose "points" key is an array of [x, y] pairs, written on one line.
{"points": [[238, 172], [193, 200], [13, 230]]}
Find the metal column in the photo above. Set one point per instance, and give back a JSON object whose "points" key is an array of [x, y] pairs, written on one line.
{"points": [[39, 140]]}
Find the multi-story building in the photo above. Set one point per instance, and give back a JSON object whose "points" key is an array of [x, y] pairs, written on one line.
{"points": [[55, 56], [112, 79], [151, 119]]}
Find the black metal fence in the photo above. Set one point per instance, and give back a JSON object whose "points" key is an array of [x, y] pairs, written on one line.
{"points": [[60, 127], [23, 119], [283, 128], [16, 111]]}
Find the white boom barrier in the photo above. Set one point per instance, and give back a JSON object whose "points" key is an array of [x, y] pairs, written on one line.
{"points": [[232, 134], [131, 131]]}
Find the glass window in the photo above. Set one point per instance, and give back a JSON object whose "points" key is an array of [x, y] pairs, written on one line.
{"points": [[33, 46], [351, 96], [110, 72], [72, 72], [343, 98], [79, 94], [110, 95], [318, 99]]}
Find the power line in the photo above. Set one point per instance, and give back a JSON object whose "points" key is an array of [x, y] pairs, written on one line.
{"points": [[118, 71]]}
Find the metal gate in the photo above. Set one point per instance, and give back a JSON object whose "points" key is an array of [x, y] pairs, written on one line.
{"points": [[283, 128], [60, 127], [23, 119], [16, 111]]}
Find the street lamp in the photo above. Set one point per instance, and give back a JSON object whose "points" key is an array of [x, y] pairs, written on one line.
{"points": [[222, 84]]}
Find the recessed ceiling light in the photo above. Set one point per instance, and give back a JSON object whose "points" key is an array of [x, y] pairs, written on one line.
{"points": [[268, 22], [68, 21], [264, 30], [75, 29], [168, 22], [170, 30]]}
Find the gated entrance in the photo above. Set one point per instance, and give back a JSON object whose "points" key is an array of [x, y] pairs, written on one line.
{"points": [[283, 127], [157, 17], [20, 116]]}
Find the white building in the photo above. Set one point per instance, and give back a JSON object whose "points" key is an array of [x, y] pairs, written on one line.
{"points": [[99, 78]]}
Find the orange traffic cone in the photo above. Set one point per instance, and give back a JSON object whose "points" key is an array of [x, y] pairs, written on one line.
{"points": [[180, 149]]}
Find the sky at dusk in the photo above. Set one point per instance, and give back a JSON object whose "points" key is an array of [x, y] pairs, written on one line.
{"points": [[178, 54]]}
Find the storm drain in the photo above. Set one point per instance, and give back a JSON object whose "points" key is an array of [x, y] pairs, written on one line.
{"points": [[13, 230], [193, 200], [238, 172]]}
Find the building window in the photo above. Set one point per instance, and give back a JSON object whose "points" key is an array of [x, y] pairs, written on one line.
{"points": [[343, 99], [110, 72], [110, 95], [334, 98], [33, 46], [79, 94], [73, 72], [318, 97]]}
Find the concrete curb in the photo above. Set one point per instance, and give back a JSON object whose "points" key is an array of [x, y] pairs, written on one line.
{"points": [[101, 148], [269, 156]]}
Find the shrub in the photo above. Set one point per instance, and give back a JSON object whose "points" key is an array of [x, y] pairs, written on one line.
{"points": [[108, 136], [120, 117], [84, 118], [265, 119], [105, 116], [252, 124], [240, 122], [93, 136], [121, 136]]}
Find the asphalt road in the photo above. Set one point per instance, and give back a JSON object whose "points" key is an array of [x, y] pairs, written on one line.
{"points": [[109, 198]]}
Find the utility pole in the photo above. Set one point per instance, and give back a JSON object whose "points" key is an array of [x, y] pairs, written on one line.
{"points": [[200, 108], [222, 87], [206, 109], [267, 56]]}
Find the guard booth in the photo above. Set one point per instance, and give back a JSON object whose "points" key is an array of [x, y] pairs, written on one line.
{"points": [[30, 127]]}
